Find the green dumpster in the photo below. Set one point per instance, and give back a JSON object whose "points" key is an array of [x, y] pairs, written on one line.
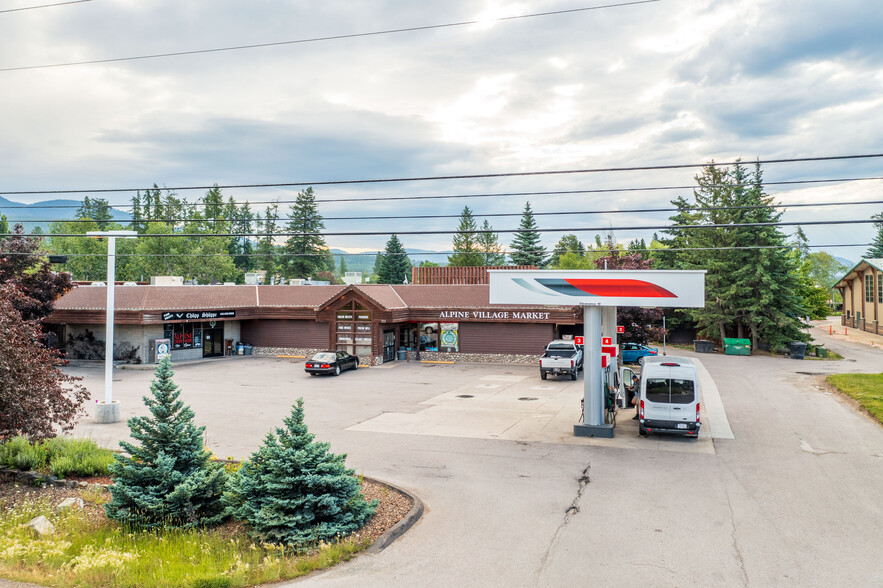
{"points": [[737, 346]]}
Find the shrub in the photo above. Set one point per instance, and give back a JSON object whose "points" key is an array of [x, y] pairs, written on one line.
{"points": [[77, 456], [169, 480], [293, 491], [21, 454]]}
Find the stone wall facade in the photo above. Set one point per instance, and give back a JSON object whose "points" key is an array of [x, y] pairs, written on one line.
{"points": [[424, 356]]}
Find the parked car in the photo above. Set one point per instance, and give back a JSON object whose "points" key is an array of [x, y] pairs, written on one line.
{"points": [[561, 358], [633, 352], [668, 397], [331, 362]]}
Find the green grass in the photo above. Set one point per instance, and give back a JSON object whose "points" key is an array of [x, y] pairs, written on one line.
{"points": [[866, 389], [83, 552], [61, 456]]}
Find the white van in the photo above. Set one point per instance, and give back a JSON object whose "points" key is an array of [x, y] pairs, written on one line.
{"points": [[669, 396]]}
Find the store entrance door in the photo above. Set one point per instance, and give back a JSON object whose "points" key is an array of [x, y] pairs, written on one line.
{"points": [[213, 342], [389, 346]]}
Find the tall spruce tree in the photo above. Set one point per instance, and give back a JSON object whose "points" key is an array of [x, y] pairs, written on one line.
{"points": [[307, 252], [168, 480], [526, 247], [293, 491], [395, 267], [465, 242], [876, 249], [488, 243]]}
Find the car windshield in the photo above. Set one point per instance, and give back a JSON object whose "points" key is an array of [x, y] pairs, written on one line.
{"points": [[326, 357]]}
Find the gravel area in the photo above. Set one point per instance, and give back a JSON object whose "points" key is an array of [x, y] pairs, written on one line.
{"points": [[391, 508]]}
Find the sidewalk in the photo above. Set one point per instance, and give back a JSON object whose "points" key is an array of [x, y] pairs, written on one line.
{"points": [[831, 326]]}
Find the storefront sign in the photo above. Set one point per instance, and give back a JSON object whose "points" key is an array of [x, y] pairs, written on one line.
{"points": [[180, 315], [512, 315]]}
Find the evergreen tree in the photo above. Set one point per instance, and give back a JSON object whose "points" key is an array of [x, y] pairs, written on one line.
{"points": [[4, 224], [307, 252], [465, 242], [395, 267], [136, 213], [341, 269], [267, 259], [488, 243], [876, 250], [293, 491], [526, 247], [168, 480], [96, 209]]}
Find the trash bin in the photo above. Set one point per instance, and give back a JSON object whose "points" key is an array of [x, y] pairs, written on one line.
{"points": [[797, 349], [247, 349], [737, 346], [701, 346], [402, 354], [240, 349], [822, 351]]}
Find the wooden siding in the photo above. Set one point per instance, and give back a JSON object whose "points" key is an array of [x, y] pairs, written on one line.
{"points": [[515, 338], [286, 333], [459, 274]]}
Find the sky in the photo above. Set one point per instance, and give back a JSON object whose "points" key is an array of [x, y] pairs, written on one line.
{"points": [[671, 82]]}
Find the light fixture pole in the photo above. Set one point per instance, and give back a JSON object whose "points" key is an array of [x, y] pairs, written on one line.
{"points": [[109, 411]]}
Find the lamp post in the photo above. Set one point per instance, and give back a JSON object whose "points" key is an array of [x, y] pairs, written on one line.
{"points": [[109, 411]]}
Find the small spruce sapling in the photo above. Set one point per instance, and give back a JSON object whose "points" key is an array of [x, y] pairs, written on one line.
{"points": [[169, 480], [293, 491]]}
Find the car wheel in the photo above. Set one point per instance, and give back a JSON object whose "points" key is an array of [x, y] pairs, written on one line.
{"points": [[573, 375], [337, 370], [642, 431], [356, 364], [543, 375], [313, 373]]}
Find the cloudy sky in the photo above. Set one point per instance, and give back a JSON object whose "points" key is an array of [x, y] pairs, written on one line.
{"points": [[657, 83]]}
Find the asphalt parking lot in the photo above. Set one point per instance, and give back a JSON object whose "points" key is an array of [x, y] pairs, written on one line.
{"points": [[790, 497]]}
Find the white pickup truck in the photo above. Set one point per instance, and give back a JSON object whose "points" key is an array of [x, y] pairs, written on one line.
{"points": [[561, 358]]}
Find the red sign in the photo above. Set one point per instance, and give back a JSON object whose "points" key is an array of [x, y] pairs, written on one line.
{"points": [[609, 350], [605, 360], [606, 340], [578, 340], [620, 329]]}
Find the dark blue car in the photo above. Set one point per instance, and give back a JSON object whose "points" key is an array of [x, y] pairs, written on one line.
{"points": [[633, 352]]}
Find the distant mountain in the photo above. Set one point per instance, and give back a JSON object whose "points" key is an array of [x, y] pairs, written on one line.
{"points": [[36, 214], [849, 264], [363, 261]]}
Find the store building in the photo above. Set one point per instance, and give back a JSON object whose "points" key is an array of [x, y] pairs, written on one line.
{"points": [[373, 321], [862, 292]]}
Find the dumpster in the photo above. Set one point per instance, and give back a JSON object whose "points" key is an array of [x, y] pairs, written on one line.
{"points": [[700, 346], [737, 346], [797, 349], [402, 354]]}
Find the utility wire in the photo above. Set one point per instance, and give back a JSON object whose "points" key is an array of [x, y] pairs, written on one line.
{"points": [[439, 216], [460, 177], [475, 232], [42, 6], [325, 38], [428, 253]]}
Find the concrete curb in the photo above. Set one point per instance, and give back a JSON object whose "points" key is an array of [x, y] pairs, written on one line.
{"points": [[401, 527]]}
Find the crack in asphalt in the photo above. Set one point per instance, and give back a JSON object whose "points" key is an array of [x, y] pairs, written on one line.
{"points": [[735, 540], [583, 480]]}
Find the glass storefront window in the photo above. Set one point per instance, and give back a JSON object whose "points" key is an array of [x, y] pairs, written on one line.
{"points": [[354, 329], [184, 335], [429, 336]]}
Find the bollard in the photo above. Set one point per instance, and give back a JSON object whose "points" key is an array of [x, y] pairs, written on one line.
{"points": [[830, 329]]}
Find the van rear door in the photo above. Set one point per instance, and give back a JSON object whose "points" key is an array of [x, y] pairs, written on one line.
{"points": [[657, 395]]}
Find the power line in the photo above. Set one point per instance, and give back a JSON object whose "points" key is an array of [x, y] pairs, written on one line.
{"points": [[42, 6], [475, 232], [477, 215], [430, 253], [458, 177], [325, 38]]}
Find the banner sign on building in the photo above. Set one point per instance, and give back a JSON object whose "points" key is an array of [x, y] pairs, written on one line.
{"points": [[197, 315], [669, 288]]}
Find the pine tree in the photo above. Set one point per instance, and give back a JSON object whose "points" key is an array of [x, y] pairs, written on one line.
{"points": [[341, 269], [293, 491], [395, 266], [308, 253], [488, 243], [876, 250], [168, 480], [526, 247], [465, 245]]}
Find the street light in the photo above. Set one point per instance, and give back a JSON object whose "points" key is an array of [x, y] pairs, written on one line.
{"points": [[109, 411]]}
